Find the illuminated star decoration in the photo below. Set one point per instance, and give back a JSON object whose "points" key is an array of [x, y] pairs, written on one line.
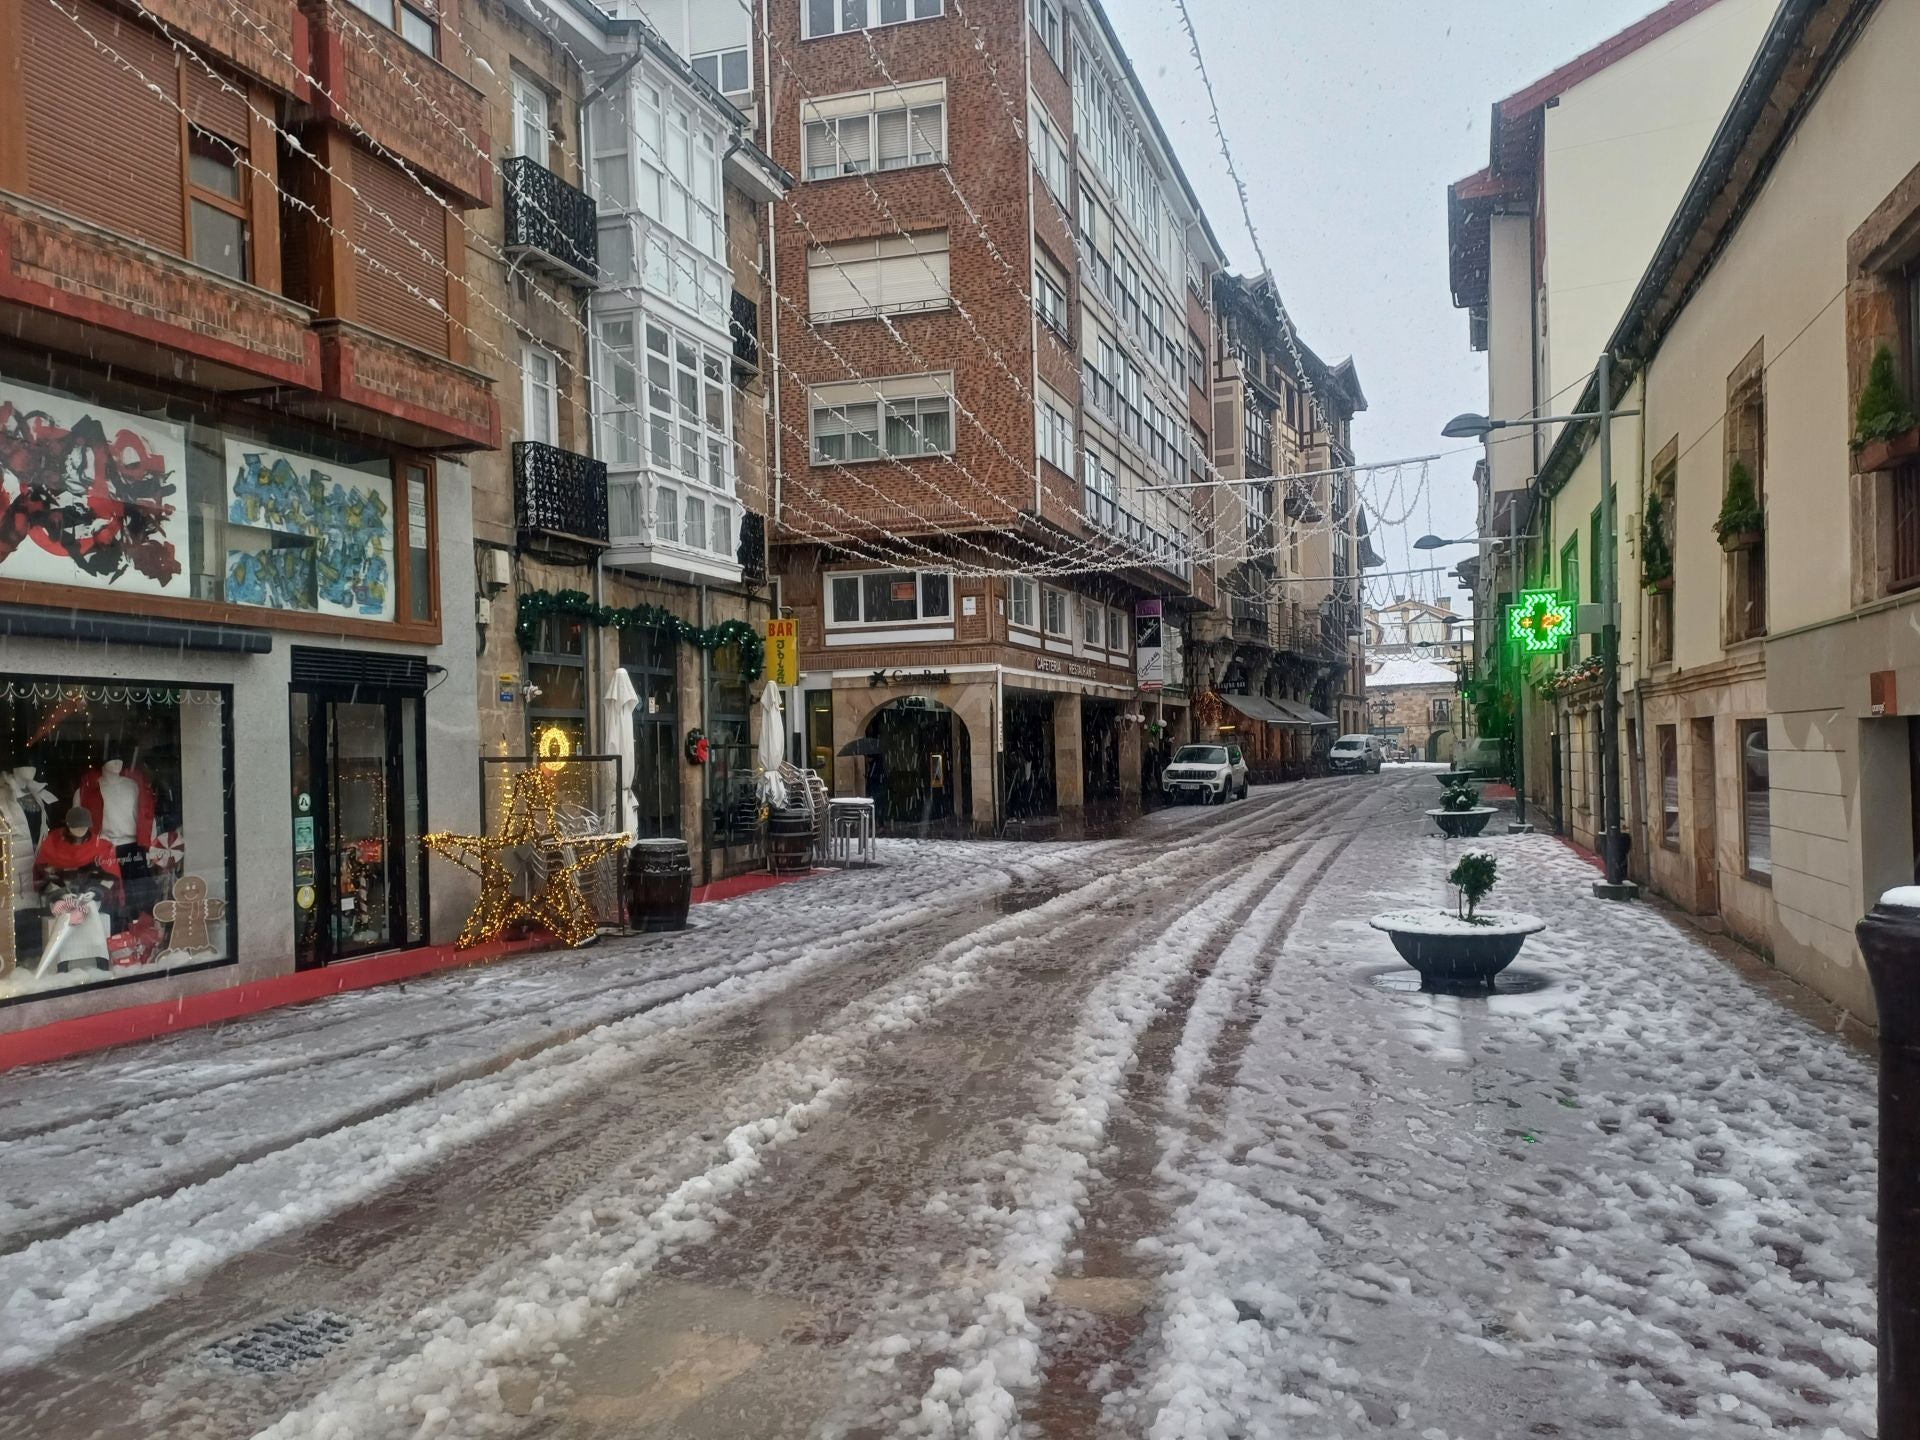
{"points": [[529, 815]]}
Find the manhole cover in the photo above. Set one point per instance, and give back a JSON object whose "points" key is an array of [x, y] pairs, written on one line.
{"points": [[1400, 980], [280, 1345]]}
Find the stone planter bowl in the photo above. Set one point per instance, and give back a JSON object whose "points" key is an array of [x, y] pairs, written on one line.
{"points": [[1447, 950], [1450, 777], [1463, 824]]}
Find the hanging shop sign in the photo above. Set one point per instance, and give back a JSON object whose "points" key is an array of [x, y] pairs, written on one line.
{"points": [[783, 652], [1539, 622], [1150, 656], [306, 534], [90, 496]]}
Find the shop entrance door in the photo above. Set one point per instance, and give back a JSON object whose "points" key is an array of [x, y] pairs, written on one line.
{"points": [[359, 804]]}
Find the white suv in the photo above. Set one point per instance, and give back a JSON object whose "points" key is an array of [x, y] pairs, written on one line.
{"points": [[1207, 773]]}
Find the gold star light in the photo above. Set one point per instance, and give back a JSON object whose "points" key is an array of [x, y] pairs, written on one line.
{"points": [[529, 815]]}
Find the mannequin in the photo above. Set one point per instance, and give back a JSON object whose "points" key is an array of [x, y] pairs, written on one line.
{"points": [[23, 802], [120, 798], [77, 876]]}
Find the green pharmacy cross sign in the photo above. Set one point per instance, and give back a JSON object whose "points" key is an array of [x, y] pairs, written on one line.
{"points": [[1539, 621]]}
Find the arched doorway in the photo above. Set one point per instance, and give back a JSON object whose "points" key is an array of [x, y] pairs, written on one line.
{"points": [[1440, 745], [920, 764]]}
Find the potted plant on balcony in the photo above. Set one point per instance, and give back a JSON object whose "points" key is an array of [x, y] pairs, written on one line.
{"points": [[1885, 430], [1656, 556], [1742, 523], [1465, 947], [1460, 814]]}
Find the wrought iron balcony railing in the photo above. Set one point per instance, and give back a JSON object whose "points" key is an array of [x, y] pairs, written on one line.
{"points": [[746, 335], [752, 553], [550, 222], [1301, 503], [558, 494]]}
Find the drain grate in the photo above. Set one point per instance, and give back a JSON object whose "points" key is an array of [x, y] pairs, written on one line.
{"points": [[280, 1345]]}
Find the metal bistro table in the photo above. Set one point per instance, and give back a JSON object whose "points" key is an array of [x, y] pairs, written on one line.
{"points": [[850, 831]]}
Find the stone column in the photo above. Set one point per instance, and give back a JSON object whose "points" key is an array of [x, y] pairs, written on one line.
{"points": [[1132, 749], [1069, 765]]}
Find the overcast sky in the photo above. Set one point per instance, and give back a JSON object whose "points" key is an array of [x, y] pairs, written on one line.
{"points": [[1348, 119]]}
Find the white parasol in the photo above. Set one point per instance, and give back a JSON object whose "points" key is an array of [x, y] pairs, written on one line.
{"points": [[616, 713], [773, 746]]}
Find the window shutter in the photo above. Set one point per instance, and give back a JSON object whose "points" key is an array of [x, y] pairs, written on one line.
{"points": [[894, 140], [837, 284], [856, 144], [914, 279], [398, 295], [928, 137], [218, 105], [820, 152]]}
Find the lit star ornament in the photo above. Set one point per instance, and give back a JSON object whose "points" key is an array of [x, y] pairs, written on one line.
{"points": [[529, 815]]}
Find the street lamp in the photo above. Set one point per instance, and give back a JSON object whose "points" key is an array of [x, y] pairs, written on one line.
{"points": [[1613, 844], [1434, 542]]}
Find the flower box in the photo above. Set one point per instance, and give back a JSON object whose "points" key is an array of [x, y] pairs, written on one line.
{"points": [[1735, 540], [1661, 586], [1888, 454]]}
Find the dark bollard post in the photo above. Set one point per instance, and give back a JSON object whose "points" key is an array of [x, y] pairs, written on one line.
{"points": [[1890, 939]]}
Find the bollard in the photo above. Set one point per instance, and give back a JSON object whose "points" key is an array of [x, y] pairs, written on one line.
{"points": [[1890, 939]]}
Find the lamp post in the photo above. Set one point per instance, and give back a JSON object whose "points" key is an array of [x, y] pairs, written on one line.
{"points": [[1613, 842]]}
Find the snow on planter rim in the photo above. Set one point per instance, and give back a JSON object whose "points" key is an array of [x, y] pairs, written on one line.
{"points": [[1446, 922], [1472, 810], [1902, 897]]}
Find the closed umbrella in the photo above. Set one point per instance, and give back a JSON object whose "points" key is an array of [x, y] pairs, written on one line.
{"points": [[616, 710], [772, 747]]}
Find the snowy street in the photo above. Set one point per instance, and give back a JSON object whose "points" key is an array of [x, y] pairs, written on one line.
{"points": [[1138, 1137]]}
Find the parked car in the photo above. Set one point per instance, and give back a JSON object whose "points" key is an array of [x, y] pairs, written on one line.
{"points": [[1357, 753], [1482, 755], [1207, 773]]}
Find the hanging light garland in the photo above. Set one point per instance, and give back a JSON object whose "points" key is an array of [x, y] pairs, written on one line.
{"points": [[539, 605]]}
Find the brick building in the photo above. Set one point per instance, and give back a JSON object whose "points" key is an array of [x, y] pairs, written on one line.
{"points": [[238, 383], [996, 312]]}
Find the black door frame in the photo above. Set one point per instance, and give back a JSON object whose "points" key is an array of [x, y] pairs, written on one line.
{"points": [[322, 697]]}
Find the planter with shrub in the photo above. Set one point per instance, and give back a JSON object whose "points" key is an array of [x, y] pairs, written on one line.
{"points": [[1742, 523], [1886, 433], [1465, 947]]}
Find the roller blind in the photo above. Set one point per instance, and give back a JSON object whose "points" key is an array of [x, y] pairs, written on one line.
{"points": [[400, 295], [867, 277]]}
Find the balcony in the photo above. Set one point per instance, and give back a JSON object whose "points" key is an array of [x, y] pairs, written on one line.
{"points": [[1259, 533], [1302, 504], [549, 222], [752, 553], [650, 528], [69, 285], [377, 384], [558, 495], [1252, 621], [745, 324]]}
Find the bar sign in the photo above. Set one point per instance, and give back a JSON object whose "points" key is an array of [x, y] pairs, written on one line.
{"points": [[783, 652]]}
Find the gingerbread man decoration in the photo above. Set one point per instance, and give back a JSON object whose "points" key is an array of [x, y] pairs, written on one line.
{"points": [[188, 912]]}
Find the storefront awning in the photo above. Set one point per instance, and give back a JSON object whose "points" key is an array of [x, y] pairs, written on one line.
{"points": [[1255, 707], [1305, 716]]}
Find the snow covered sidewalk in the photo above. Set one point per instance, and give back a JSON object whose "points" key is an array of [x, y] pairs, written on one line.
{"points": [[1637, 1199]]}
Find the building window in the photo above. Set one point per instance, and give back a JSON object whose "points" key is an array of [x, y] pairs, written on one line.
{"points": [[1756, 812], [728, 71], [875, 130], [531, 135], [1570, 588], [1440, 711], [1050, 296], [1054, 607], [838, 17], [1746, 617], [415, 26], [1044, 15], [891, 275], [557, 677], [152, 768], [540, 395], [729, 767], [1118, 623], [1049, 152], [1904, 493], [889, 597], [1054, 425], [1669, 740], [883, 419], [685, 409], [1093, 625], [1023, 604], [217, 201]]}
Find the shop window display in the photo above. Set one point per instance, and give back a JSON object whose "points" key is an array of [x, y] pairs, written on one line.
{"points": [[114, 818]]}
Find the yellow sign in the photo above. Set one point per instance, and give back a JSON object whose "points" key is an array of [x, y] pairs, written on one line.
{"points": [[783, 652], [555, 747]]}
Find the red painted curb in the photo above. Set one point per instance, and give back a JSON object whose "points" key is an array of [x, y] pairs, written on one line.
{"points": [[83, 1033]]}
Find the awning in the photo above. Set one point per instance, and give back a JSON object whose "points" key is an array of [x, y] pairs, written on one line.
{"points": [[1305, 716], [1255, 707]]}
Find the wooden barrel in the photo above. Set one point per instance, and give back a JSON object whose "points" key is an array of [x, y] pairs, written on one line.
{"points": [[659, 885], [789, 839]]}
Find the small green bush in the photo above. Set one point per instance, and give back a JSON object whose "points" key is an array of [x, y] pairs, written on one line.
{"points": [[1740, 509], [1883, 410], [1459, 795], [1656, 556], [1473, 875]]}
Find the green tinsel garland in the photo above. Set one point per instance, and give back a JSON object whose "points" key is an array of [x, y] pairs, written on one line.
{"points": [[537, 605]]}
